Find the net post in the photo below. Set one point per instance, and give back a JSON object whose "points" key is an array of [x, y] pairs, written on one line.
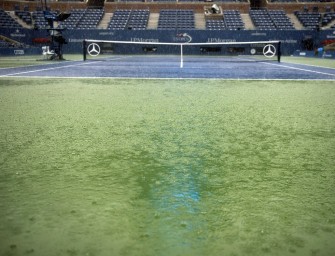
{"points": [[181, 56], [84, 50], [279, 50]]}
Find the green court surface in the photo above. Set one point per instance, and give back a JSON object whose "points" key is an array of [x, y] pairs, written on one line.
{"points": [[321, 62], [168, 167], [31, 60]]}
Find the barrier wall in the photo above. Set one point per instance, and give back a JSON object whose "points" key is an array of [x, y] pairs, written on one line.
{"points": [[291, 40]]}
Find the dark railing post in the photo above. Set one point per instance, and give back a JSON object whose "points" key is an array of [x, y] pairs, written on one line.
{"points": [[279, 51], [84, 50]]}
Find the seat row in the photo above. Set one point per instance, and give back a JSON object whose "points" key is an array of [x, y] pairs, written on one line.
{"points": [[4, 44], [328, 18], [176, 19], [263, 19], [309, 20], [232, 20], [6, 21], [83, 19], [24, 15], [129, 20]]}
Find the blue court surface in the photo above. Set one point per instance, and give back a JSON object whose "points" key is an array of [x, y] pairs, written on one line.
{"points": [[170, 67]]}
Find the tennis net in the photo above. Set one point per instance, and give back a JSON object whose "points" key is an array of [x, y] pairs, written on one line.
{"points": [[228, 51]]}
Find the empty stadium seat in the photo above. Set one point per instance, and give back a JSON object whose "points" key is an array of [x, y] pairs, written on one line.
{"points": [[309, 20], [328, 18], [171, 19], [280, 20], [215, 24], [83, 19], [233, 19], [4, 44], [6, 21], [264, 19], [283, 1], [24, 15], [90, 18], [129, 19], [39, 21]]}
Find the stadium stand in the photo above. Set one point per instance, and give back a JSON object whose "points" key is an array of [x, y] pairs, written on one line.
{"points": [[90, 18], [310, 20], [308, 1], [298, 1], [176, 19], [129, 20], [280, 20], [138, 20], [231, 21], [328, 18], [283, 1], [39, 21], [264, 19], [309, 16], [119, 20], [83, 19], [161, 1], [4, 44], [215, 24], [24, 15], [6, 21], [131, 0], [73, 20], [238, 1]]}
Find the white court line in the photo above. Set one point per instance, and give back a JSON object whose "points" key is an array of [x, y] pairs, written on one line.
{"points": [[308, 65], [302, 69], [29, 65], [53, 68], [43, 69], [173, 78]]}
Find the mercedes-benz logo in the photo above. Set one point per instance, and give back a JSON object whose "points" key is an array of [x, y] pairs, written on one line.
{"points": [[269, 50], [93, 49]]}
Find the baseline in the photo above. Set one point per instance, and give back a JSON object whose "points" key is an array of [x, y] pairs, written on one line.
{"points": [[304, 69]]}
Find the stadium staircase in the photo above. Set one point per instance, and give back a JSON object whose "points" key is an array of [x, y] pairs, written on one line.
{"points": [[105, 21], [153, 21], [330, 25], [10, 41], [296, 23], [199, 21], [18, 20], [248, 24]]}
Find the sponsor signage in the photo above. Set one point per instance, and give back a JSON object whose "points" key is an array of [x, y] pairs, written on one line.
{"points": [[19, 52]]}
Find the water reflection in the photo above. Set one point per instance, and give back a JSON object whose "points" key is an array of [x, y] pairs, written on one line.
{"points": [[174, 193], [177, 189]]}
